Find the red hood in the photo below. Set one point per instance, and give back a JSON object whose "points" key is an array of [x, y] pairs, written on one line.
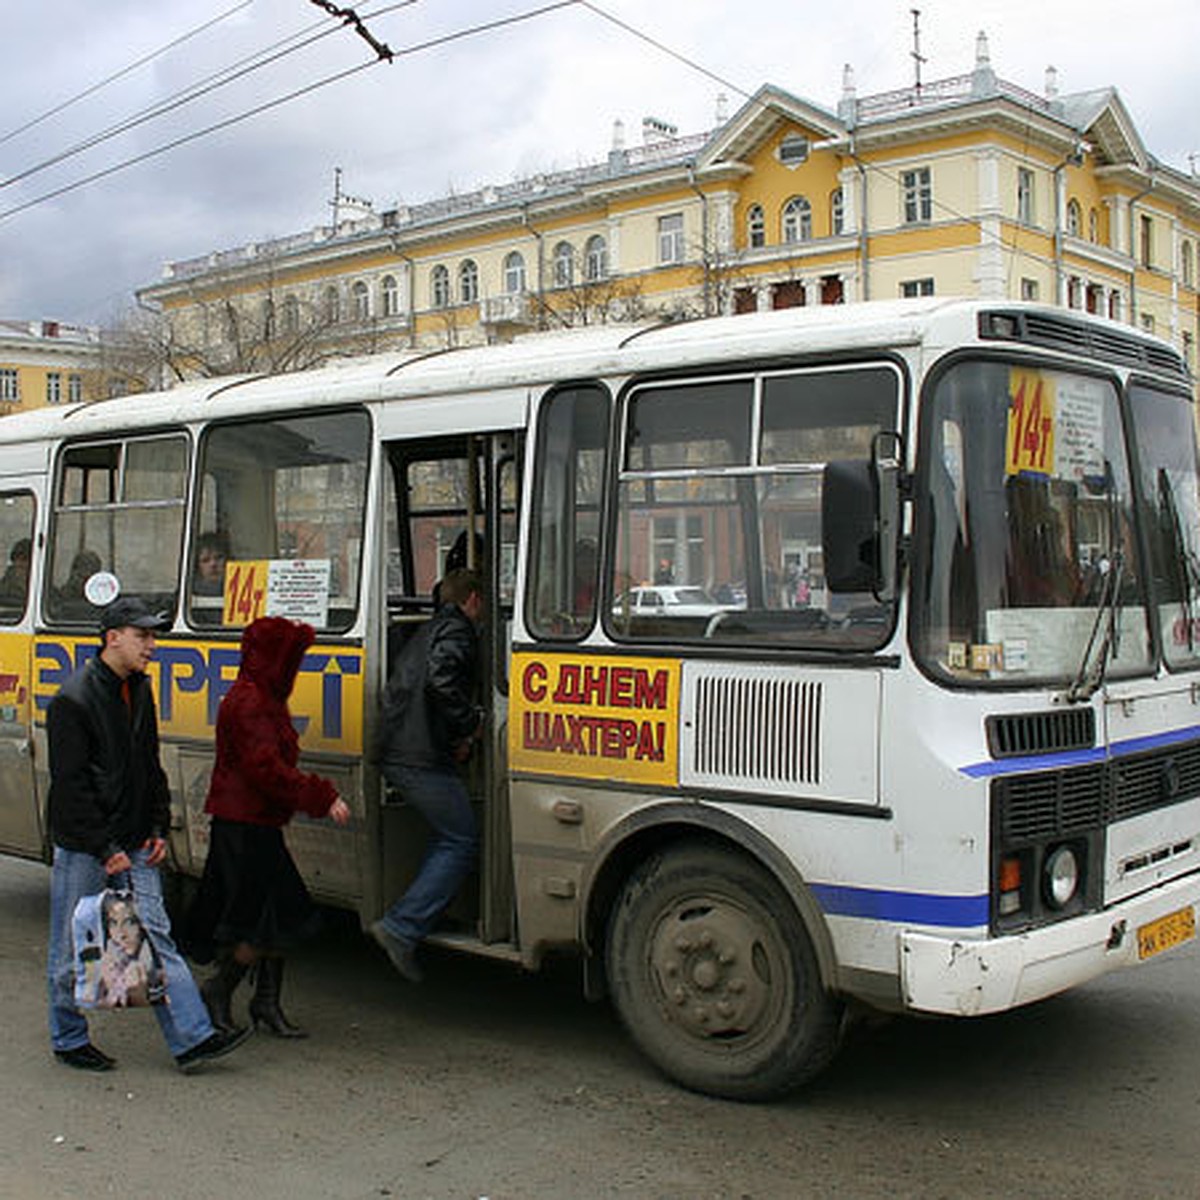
{"points": [[272, 649]]}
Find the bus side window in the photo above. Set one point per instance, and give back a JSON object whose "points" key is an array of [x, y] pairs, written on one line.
{"points": [[16, 529]]}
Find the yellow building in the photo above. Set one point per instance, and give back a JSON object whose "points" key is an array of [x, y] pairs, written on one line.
{"points": [[46, 362], [969, 185]]}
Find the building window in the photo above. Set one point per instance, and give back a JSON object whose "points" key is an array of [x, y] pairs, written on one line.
{"points": [[793, 150], [10, 385], [331, 306], [837, 212], [564, 265], [1074, 218], [439, 286], [468, 281], [1093, 227], [1187, 264], [1114, 306], [291, 314], [756, 227], [595, 259], [910, 289], [268, 318], [74, 389], [1147, 227], [797, 221], [1029, 289], [361, 299], [389, 296], [670, 239], [1074, 292], [53, 387], [1025, 207], [918, 195], [514, 273], [1188, 350]]}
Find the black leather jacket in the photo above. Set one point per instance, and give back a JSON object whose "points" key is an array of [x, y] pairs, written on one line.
{"points": [[108, 791], [429, 710]]}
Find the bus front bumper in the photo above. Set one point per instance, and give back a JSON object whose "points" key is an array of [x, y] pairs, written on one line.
{"points": [[965, 977]]}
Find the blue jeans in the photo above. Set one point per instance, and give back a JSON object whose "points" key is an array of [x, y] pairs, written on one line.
{"points": [[183, 1019], [441, 798]]}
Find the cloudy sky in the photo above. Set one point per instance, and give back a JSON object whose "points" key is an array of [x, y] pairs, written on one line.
{"points": [[452, 113]]}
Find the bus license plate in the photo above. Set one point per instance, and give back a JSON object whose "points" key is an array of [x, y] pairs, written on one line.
{"points": [[1172, 930]]}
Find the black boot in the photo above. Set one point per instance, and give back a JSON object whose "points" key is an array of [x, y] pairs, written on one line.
{"points": [[264, 1008], [217, 992]]}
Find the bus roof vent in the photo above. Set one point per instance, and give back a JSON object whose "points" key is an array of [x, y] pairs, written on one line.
{"points": [[1014, 735], [1036, 328]]}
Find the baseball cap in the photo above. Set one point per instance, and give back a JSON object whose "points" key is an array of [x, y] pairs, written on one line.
{"points": [[130, 610]]}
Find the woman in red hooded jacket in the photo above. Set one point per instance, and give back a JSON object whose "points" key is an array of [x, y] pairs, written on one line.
{"points": [[252, 902]]}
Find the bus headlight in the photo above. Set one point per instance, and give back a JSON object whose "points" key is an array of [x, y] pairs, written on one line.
{"points": [[1061, 876]]}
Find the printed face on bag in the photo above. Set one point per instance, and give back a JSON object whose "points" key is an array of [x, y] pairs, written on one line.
{"points": [[123, 927]]}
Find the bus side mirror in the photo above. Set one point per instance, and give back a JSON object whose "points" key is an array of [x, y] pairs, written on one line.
{"points": [[849, 545], [860, 515]]}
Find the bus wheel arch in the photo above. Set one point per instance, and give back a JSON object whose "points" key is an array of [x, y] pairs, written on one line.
{"points": [[712, 966]]}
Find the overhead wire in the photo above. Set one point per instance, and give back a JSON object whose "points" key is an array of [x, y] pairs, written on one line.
{"points": [[256, 110], [202, 87], [126, 70]]}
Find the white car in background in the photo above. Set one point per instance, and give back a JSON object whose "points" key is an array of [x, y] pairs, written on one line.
{"points": [[668, 600]]}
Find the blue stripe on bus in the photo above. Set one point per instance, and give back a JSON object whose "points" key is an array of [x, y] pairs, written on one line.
{"points": [[1073, 758], [917, 908]]}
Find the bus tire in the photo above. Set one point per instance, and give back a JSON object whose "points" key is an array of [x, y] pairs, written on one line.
{"points": [[715, 977]]}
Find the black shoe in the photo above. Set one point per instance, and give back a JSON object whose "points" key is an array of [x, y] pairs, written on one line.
{"points": [[403, 954], [216, 1045], [86, 1058]]}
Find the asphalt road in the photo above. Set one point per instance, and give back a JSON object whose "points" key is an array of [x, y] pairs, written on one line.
{"points": [[485, 1082]]}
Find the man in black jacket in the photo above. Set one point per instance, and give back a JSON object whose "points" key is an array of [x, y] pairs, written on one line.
{"points": [[109, 811], [430, 724]]}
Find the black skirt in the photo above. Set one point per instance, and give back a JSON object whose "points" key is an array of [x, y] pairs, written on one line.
{"points": [[250, 892]]}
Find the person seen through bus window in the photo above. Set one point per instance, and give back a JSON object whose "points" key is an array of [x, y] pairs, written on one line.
{"points": [[15, 580], [431, 724], [212, 551], [252, 905]]}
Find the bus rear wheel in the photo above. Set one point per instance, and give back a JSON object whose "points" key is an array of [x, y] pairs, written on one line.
{"points": [[715, 977]]}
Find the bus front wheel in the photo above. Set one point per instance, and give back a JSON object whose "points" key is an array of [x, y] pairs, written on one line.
{"points": [[715, 976]]}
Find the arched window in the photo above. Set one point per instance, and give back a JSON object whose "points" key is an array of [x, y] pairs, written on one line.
{"points": [[439, 287], [595, 258], [291, 314], [331, 306], [756, 227], [837, 213], [1186, 264], [514, 273], [389, 296], [1074, 218], [797, 220], [468, 281], [1093, 226], [361, 299], [564, 265]]}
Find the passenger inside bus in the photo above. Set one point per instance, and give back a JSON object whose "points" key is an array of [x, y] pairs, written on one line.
{"points": [[15, 580], [212, 551]]}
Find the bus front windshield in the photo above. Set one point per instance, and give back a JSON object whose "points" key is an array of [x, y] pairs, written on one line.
{"points": [[1028, 566]]}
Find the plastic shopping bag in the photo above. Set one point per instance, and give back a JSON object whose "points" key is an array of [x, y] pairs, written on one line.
{"points": [[116, 964]]}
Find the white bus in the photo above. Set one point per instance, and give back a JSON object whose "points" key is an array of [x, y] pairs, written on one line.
{"points": [[837, 657]]}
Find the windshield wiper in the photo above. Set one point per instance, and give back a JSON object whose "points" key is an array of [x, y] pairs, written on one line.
{"points": [[1090, 676], [1188, 577]]}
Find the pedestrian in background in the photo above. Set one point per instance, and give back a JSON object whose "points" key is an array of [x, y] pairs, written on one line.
{"points": [[252, 905], [110, 809], [431, 722]]}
